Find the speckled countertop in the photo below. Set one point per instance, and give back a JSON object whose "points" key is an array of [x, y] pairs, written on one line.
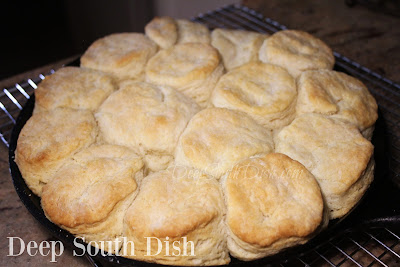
{"points": [[368, 37]]}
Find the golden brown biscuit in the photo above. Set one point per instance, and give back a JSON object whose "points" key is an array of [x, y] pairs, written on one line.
{"points": [[73, 87], [296, 51], [264, 91], [273, 202], [191, 68], [163, 31], [122, 54], [338, 95], [89, 195], [174, 205], [147, 118], [217, 138], [337, 155], [237, 47], [48, 139], [192, 32]]}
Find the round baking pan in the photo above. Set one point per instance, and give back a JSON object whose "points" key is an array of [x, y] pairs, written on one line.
{"points": [[367, 212]]}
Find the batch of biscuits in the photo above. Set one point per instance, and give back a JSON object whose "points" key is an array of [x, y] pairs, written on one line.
{"points": [[242, 143]]}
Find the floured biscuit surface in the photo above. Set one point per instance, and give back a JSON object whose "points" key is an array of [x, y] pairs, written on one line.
{"points": [[191, 68], [147, 118], [163, 31], [217, 138], [264, 91], [166, 32], [48, 139], [73, 87], [178, 205], [335, 153], [192, 32], [296, 51], [90, 193], [338, 95], [273, 202], [237, 47], [124, 55]]}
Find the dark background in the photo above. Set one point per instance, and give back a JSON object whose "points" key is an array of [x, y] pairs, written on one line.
{"points": [[35, 33]]}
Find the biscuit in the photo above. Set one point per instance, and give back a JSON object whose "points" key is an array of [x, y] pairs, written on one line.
{"points": [[337, 155], [217, 138], [48, 139], [123, 55], [265, 92], [192, 32], [296, 51], [146, 118], [191, 68], [89, 195], [273, 202], [73, 87], [237, 47], [163, 31], [338, 95], [174, 204]]}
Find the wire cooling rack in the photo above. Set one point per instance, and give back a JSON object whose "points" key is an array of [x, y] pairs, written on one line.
{"points": [[376, 245]]}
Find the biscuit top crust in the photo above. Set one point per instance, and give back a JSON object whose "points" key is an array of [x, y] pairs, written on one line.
{"points": [[217, 138], [145, 116], [270, 198], [173, 203], [237, 47], [53, 135], [87, 188], [182, 64], [192, 32], [296, 51], [335, 152], [163, 31], [337, 94], [74, 87], [129, 51], [255, 88]]}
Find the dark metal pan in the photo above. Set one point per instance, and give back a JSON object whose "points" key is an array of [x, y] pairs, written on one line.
{"points": [[379, 206]]}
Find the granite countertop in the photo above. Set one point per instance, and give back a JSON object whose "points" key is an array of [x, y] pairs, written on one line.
{"points": [[368, 37]]}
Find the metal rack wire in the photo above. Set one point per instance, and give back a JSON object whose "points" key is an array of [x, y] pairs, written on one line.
{"points": [[12, 100], [371, 247], [379, 246]]}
